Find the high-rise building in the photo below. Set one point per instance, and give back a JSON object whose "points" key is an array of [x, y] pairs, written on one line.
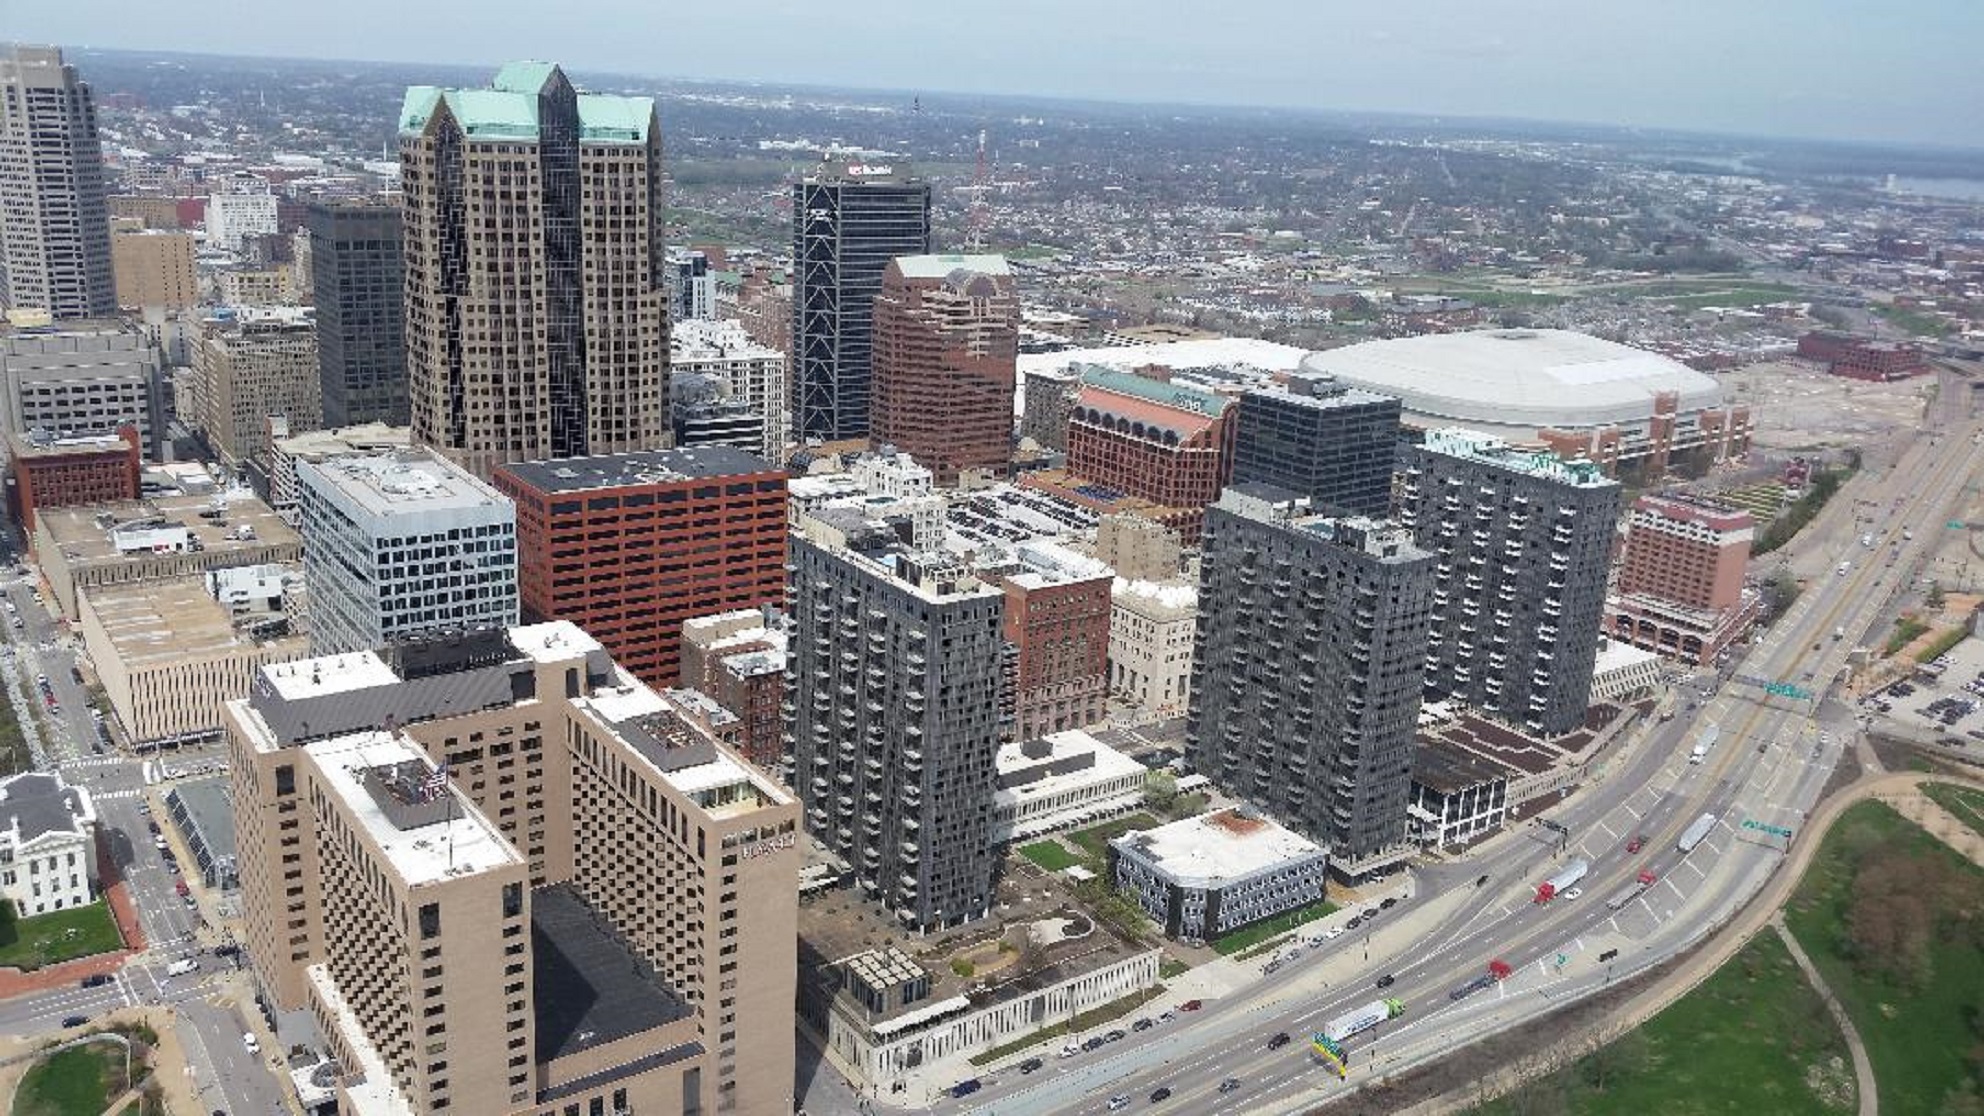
{"points": [[1152, 627], [1524, 543], [83, 378], [1336, 445], [1166, 443], [240, 214], [154, 268], [848, 221], [536, 310], [1308, 670], [630, 545], [752, 375], [356, 281], [509, 879], [1680, 590], [402, 544], [894, 682], [250, 371], [1057, 619], [54, 227], [945, 356], [691, 287]]}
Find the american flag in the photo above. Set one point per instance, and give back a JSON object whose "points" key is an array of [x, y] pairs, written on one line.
{"points": [[432, 786]]}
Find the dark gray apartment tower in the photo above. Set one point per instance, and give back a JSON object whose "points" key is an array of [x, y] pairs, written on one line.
{"points": [[1523, 541], [893, 686], [356, 273], [1310, 661], [848, 221], [54, 224], [1335, 444]]}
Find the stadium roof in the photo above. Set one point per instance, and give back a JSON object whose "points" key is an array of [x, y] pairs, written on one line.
{"points": [[1519, 378]]}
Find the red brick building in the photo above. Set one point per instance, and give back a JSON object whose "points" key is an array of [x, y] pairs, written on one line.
{"points": [[1057, 619], [70, 471], [735, 660], [947, 332], [1680, 590], [1862, 358], [1138, 435], [628, 546]]}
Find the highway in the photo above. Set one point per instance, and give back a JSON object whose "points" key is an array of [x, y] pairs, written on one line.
{"points": [[1772, 756]]}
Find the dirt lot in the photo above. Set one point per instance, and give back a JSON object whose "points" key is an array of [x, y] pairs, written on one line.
{"points": [[1795, 405]]}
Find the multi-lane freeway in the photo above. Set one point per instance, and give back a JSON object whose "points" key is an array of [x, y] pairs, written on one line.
{"points": [[1770, 758]]}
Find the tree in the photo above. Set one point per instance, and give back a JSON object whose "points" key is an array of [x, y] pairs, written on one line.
{"points": [[1160, 790], [1934, 598]]}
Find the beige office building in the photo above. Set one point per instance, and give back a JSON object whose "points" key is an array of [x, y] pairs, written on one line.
{"points": [[1151, 626], [509, 878], [81, 547], [252, 371], [155, 269]]}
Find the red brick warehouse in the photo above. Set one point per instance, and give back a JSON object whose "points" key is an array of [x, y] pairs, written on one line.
{"points": [[628, 546]]}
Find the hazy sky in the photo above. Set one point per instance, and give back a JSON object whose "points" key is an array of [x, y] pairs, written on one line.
{"points": [[1903, 70]]}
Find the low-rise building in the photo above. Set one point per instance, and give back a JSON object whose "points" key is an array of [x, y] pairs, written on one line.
{"points": [[1151, 627], [1457, 796], [1059, 781], [171, 653], [1208, 876], [1623, 672], [50, 472], [85, 546], [739, 661], [47, 844]]}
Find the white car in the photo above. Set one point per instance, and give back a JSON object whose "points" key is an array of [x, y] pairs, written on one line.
{"points": [[1333, 933], [1573, 892], [253, 1044]]}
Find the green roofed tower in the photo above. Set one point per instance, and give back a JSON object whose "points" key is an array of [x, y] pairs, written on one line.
{"points": [[536, 315]]}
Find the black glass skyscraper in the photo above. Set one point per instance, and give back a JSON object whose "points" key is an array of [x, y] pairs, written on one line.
{"points": [[356, 274]]}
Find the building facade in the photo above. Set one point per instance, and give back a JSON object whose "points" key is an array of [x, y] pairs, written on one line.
{"points": [[1308, 669], [945, 357], [1140, 436], [1152, 629], [539, 890], [59, 473], [402, 544], [154, 268], [241, 213], [1057, 619], [47, 844], [83, 379], [848, 221], [630, 546], [1335, 444], [1524, 545], [893, 691], [550, 341], [1205, 877], [751, 373], [251, 371], [1681, 590], [1060, 781], [1049, 400], [357, 283], [739, 662], [54, 226]]}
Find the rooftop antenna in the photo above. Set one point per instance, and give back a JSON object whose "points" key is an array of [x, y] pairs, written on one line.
{"points": [[980, 213]]}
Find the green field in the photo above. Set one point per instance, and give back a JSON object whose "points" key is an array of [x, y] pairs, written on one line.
{"points": [[1965, 803], [30, 943], [1754, 1039], [1895, 920], [77, 1082], [1095, 840], [1260, 932], [1050, 854]]}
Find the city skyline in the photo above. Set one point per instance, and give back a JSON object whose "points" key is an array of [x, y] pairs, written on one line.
{"points": [[1750, 71]]}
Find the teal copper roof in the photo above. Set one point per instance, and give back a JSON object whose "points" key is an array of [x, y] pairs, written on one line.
{"points": [[508, 110]]}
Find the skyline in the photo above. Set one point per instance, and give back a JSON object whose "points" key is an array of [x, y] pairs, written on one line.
{"points": [[1908, 81]]}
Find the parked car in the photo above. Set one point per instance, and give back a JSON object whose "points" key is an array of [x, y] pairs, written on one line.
{"points": [[1030, 1065], [1144, 1024], [1333, 933], [1092, 1044], [1354, 923], [252, 1044], [1390, 902], [1191, 1005], [1115, 1036]]}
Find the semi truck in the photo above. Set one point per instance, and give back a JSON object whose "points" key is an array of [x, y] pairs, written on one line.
{"points": [[1696, 833], [1710, 734], [1554, 886], [1631, 891], [1363, 1019]]}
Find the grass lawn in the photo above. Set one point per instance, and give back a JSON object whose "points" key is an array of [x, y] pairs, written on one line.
{"points": [[1114, 1009], [1050, 854], [1172, 968], [1917, 1030], [1966, 804], [1095, 840], [1754, 1038], [59, 936], [78, 1082], [1260, 932]]}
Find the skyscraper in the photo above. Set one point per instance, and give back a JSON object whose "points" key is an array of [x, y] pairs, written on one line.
{"points": [[356, 274], [1524, 542], [1308, 669], [848, 221], [1336, 445], [893, 683], [947, 334], [54, 228], [536, 308]]}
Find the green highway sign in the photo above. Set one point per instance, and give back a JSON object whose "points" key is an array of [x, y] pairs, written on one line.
{"points": [[1956, 524], [1773, 830], [1786, 689]]}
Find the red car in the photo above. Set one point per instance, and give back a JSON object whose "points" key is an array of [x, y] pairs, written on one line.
{"points": [[1636, 844], [180, 887], [1190, 1005]]}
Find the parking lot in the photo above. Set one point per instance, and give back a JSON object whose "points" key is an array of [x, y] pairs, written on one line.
{"points": [[1949, 705]]}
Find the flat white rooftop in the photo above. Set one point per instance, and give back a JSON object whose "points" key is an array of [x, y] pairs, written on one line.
{"points": [[1218, 848], [462, 844], [400, 482], [1061, 747], [553, 641], [330, 674]]}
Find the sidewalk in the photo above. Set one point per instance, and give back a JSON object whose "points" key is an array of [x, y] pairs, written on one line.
{"points": [[1863, 1067]]}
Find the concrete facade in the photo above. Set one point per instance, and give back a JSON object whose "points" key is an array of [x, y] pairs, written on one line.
{"points": [[251, 371], [1152, 629], [54, 225], [85, 378], [155, 268]]}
